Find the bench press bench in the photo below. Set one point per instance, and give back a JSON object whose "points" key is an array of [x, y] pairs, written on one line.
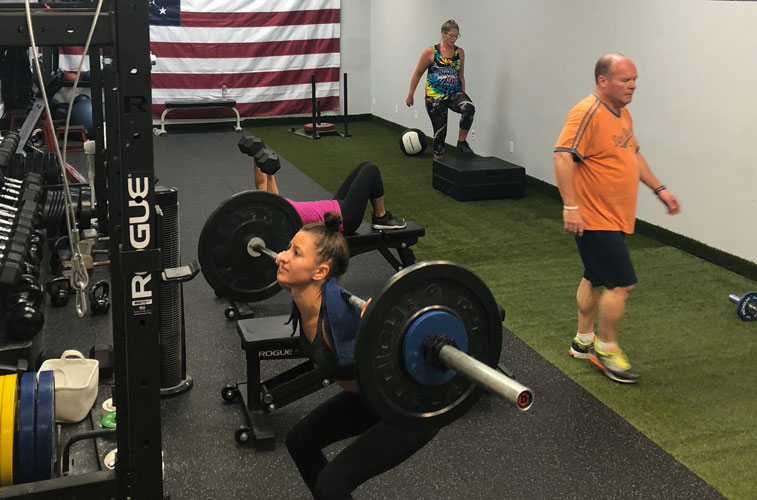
{"points": [[267, 339], [366, 239], [194, 104]]}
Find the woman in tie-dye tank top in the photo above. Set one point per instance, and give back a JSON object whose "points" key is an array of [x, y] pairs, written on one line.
{"points": [[445, 88]]}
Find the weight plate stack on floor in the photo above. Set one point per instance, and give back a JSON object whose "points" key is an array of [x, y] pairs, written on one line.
{"points": [[27, 401], [44, 440], [7, 428]]}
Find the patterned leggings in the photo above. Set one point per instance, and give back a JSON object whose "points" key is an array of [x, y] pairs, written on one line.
{"points": [[437, 110]]}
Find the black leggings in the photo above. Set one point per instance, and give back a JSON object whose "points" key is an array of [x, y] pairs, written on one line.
{"points": [[378, 447], [437, 110], [362, 185]]}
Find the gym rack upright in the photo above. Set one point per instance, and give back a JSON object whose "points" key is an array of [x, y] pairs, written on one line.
{"points": [[135, 253]]}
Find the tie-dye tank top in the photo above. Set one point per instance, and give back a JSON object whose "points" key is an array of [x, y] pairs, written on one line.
{"points": [[442, 80]]}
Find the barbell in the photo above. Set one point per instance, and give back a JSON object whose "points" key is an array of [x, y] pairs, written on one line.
{"points": [[427, 343], [409, 359], [746, 305]]}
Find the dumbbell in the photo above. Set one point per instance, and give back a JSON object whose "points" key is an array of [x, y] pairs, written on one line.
{"points": [[746, 305], [8, 149], [250, 145], [24, 313], [268, 161], [265, 158]]}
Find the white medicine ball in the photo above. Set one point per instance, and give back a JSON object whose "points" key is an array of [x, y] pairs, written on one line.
{"points": [[413, 141]]}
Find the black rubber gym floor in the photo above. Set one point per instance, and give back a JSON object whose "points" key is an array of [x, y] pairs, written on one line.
{"points": [[569, 445]]}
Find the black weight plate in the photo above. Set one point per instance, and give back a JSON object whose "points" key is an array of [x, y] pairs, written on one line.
{"points": [[222, 250], [85, 208], [384, 382]]}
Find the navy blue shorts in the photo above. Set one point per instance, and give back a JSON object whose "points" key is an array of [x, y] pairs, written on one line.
{"points": [[605, 258]]}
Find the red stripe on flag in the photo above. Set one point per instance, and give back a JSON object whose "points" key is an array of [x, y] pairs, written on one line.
{"points": [[251, 109], [242, 80], [258, 19], [255, 49]]}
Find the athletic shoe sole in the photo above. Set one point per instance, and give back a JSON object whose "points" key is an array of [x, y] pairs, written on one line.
{"points": [[578, 354], [381, 226], [610, 374]]}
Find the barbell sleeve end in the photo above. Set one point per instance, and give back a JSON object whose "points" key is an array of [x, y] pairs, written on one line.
{"points": [[487, 377], [353, 300], [734, 298]]}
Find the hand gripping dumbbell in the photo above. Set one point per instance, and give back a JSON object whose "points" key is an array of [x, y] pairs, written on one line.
{"points": [[746, 305], [265, 158], [268, 161]]}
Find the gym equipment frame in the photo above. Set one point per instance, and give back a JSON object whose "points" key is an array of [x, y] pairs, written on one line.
{"points": [[131, 224]]}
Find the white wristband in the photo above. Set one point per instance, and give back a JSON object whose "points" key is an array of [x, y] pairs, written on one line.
{"points": [[566, 207]]}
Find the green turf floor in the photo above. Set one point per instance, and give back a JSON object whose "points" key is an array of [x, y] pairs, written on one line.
{"points": [[697, 397]]}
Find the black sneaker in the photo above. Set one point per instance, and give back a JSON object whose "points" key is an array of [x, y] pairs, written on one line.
{"points": [[464, 147], [388, 221]]}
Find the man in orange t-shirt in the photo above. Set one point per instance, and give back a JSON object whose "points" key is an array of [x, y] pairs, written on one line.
{"points": [[598, 167]]}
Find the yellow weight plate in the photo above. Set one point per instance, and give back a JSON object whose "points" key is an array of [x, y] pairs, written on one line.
{"points": [[7, 429], [2, 387]]}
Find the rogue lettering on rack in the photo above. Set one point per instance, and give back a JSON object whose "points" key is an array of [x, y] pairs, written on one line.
{"points": [[141, 295], [139, 223]]}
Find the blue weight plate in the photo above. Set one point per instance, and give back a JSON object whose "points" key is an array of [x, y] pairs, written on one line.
{"points": [[44, 440], [428, 322], [25, 427], [746, 307]]}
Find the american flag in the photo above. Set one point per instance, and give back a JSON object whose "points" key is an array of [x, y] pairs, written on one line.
{"points": [[261, 53]]}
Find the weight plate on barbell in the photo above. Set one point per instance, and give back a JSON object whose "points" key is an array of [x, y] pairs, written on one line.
{"points": [[222, 250], [746, 307], [385, 382]]}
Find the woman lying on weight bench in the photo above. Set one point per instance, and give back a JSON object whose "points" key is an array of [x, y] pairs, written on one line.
{"points": [[363, 184], [317, 255]]}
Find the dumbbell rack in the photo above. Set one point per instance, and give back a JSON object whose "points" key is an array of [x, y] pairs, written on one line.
{"points": [[136, 260]]}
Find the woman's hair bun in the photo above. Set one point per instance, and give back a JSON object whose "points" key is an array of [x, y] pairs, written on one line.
{"points": [[332, 221]]}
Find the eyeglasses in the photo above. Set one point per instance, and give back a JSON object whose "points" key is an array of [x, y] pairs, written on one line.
{"points": [[454, 37]]}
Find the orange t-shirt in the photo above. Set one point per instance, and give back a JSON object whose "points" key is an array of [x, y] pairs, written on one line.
{"points": [[607, 174]]}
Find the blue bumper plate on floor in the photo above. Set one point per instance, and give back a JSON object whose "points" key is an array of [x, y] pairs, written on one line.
{"points": [[25, 442], [44, 441]]}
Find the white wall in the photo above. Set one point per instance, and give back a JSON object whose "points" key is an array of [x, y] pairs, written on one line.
{"points": [[356, 53], [529, 61]]}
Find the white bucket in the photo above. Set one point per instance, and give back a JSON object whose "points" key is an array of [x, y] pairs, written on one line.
{"points": [[76, 380]]}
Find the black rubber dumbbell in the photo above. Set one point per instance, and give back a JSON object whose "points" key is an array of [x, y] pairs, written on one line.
{"points": [[268, 161], [24, 313], [250, 145]]}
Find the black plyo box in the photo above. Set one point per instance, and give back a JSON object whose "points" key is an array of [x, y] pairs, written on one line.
{"points": [[478, 178]]}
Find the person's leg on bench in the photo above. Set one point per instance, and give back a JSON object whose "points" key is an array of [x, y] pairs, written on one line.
{"points": [[364, 184]]}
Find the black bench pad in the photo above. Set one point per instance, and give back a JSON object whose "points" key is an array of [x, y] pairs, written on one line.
{"points": [[367, 239]]}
